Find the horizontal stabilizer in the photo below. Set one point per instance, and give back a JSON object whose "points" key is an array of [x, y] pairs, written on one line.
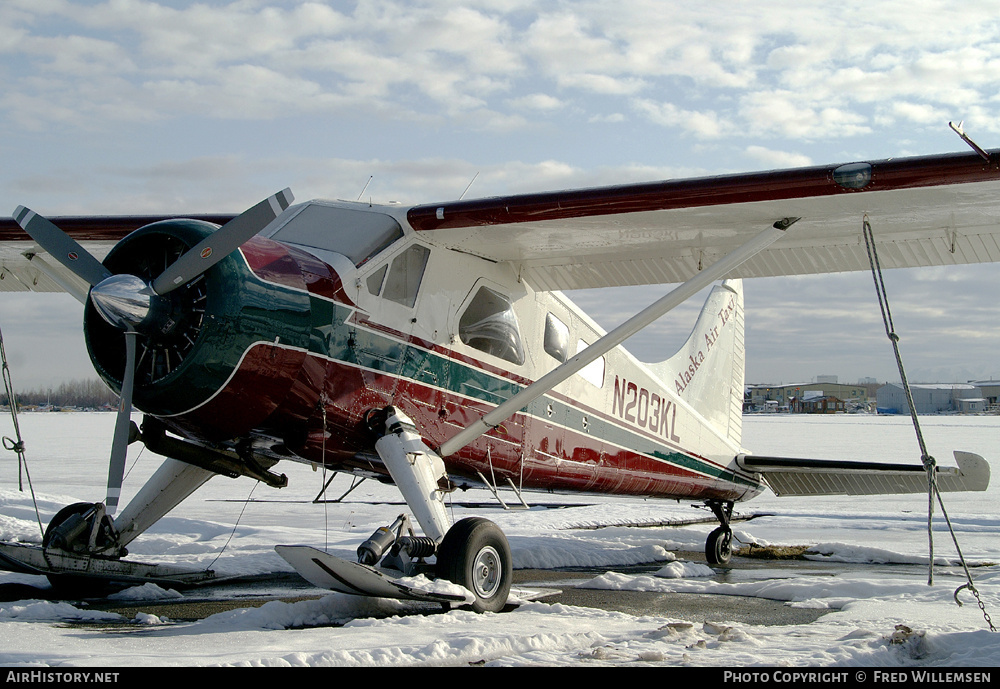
{"points": [[787, 476]]}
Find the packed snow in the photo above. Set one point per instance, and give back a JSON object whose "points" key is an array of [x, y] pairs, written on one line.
{"points": [[880, 609]]}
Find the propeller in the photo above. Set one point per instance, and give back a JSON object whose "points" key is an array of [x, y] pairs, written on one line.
{"points": [[221, 243], [123, 427], [61, 246], [127, 302]]}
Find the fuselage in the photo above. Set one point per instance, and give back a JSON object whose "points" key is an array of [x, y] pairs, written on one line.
{"points": [[304, 335]]}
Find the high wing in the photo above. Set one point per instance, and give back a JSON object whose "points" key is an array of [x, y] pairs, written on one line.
{"points": [[925, 211], [932, 210]]}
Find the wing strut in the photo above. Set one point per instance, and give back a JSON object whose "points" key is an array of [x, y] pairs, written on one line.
{"points": [[677, 296]]}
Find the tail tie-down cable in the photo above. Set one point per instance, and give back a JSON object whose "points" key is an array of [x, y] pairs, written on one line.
{"points": [[925, 457]]}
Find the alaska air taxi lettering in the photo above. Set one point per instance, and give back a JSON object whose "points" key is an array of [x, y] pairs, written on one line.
{"points": [[645, 409], [685, 377]]}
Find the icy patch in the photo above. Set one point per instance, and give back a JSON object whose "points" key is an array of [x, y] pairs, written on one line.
{"points": [[146, 592], [336, 608], [14, 530], [437, 586], [149, 620], [45, 611], [553, 557], [682, 570], [843, 552], [615, 581]]}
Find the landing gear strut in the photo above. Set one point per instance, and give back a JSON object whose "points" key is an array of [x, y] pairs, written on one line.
{"points": [[472, 553], [719, 546]]}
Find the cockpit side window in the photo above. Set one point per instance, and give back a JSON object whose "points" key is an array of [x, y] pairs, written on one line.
{"points": [[490, 325], [405, 274], [376, 279]]}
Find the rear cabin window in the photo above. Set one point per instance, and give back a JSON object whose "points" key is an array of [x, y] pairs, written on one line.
{"points": [[556, 343], [593, 372], [489, 325]]}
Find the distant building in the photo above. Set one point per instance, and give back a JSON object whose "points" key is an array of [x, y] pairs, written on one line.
{"points": [[989, 390], [930, 398], [779, 397], [816, 402]]}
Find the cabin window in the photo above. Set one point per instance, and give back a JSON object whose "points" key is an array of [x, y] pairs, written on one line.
{"points": [[405, 274], [359, 235], [593, 372], [556, 343], [489, 325]]}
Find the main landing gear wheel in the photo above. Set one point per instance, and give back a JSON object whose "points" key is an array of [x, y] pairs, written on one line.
{"points": [[719, 546], [475, 554]]}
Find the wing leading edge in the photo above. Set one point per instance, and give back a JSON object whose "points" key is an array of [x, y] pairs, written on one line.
{"points": [[932, 210]]}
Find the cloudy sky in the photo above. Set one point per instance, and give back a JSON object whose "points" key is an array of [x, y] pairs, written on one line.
{"points": [[127, 106]]}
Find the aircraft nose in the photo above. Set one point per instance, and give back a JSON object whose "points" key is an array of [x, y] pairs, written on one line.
{"points": [[124, 301]]}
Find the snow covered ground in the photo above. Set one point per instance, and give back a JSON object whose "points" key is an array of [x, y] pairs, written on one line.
{"points": [[886, 537]]}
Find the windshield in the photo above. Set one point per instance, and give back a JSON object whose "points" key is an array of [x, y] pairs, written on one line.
{"points": [[359, 235]]}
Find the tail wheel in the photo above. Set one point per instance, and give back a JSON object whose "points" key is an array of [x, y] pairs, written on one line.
{"points": [[719, 546], [475, 554]]}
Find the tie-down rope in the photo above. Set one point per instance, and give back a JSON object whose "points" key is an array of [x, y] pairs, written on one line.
{"points": [[16, 444], [927, 460]]}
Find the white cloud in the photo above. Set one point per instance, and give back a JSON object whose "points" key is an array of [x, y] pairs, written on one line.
{"points": [[536, 101], [705, 124], [777, 158]]}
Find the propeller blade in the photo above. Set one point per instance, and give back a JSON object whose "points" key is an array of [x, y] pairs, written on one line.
{"points": [[222, 242], [123, 424], [61, 246]]}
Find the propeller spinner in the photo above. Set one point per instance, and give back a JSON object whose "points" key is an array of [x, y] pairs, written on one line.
{"points": [[130, 304]]}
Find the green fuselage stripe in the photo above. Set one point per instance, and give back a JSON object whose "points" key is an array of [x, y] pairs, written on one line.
{"points": [[369, 349]]}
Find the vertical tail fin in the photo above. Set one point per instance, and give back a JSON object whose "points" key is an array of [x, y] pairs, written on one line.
{"points": [[707, 372]]}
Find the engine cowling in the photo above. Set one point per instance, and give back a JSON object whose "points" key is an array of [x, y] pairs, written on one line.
{"points": [[206, 330]]}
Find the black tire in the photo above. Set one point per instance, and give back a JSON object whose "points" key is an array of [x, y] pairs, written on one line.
{"points": [[61, 516], [475, 554], [719, 546]]}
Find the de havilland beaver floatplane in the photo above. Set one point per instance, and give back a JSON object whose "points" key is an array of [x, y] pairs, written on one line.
{"points": [[432, 346]]}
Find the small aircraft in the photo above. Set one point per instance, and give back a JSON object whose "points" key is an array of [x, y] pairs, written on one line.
{"points": [[432, 346]]}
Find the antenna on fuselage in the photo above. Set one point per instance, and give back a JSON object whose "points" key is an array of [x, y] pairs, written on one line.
{"points": [[370, 177], [468, 187]]}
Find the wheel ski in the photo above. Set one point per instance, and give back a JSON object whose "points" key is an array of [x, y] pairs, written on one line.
{"points": [[337, 574]]}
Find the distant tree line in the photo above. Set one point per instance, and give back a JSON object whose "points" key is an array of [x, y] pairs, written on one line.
{"points": [[91, 393]]}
